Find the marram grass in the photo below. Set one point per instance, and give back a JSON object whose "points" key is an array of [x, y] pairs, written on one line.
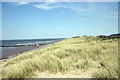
{"points": [[71, 54]]}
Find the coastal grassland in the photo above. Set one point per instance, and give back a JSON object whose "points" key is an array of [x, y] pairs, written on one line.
{"points": [[72, 54]]}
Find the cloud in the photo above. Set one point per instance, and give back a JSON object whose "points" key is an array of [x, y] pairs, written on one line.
{"points": [[49, 5], [46, 6], [85, 9], [72, 6]]}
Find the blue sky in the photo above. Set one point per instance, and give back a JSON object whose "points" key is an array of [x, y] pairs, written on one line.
{"points": [[38, 20]]}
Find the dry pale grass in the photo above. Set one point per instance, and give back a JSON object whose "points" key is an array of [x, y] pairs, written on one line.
{"points": [[74, 54]]}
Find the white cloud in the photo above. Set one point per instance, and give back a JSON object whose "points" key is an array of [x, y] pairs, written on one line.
{"points": [[88, 9], [45, 6], [53, 4]]}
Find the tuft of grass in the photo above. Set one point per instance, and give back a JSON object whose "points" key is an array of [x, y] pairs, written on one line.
{"points": [[108, 65], [71, 54]]}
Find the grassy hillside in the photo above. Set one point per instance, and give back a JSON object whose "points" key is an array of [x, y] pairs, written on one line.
{"points": [[73, 54]]}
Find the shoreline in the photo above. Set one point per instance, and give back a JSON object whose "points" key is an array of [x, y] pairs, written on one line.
{"points": [[37, 47], [41, 46]]}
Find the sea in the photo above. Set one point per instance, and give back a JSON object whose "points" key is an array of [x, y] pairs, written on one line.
{"points": [[10, 47]]}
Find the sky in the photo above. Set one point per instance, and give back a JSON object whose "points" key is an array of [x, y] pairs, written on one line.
{"points": [[39, 20]]}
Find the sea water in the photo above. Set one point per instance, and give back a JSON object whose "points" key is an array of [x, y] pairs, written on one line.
{"points": [[8, 47]]}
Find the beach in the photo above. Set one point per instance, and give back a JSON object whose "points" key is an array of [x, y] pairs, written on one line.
{"points": [[59, 39]]}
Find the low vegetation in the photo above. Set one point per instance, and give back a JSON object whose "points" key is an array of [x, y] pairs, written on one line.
{"points": [[72, 54]]}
